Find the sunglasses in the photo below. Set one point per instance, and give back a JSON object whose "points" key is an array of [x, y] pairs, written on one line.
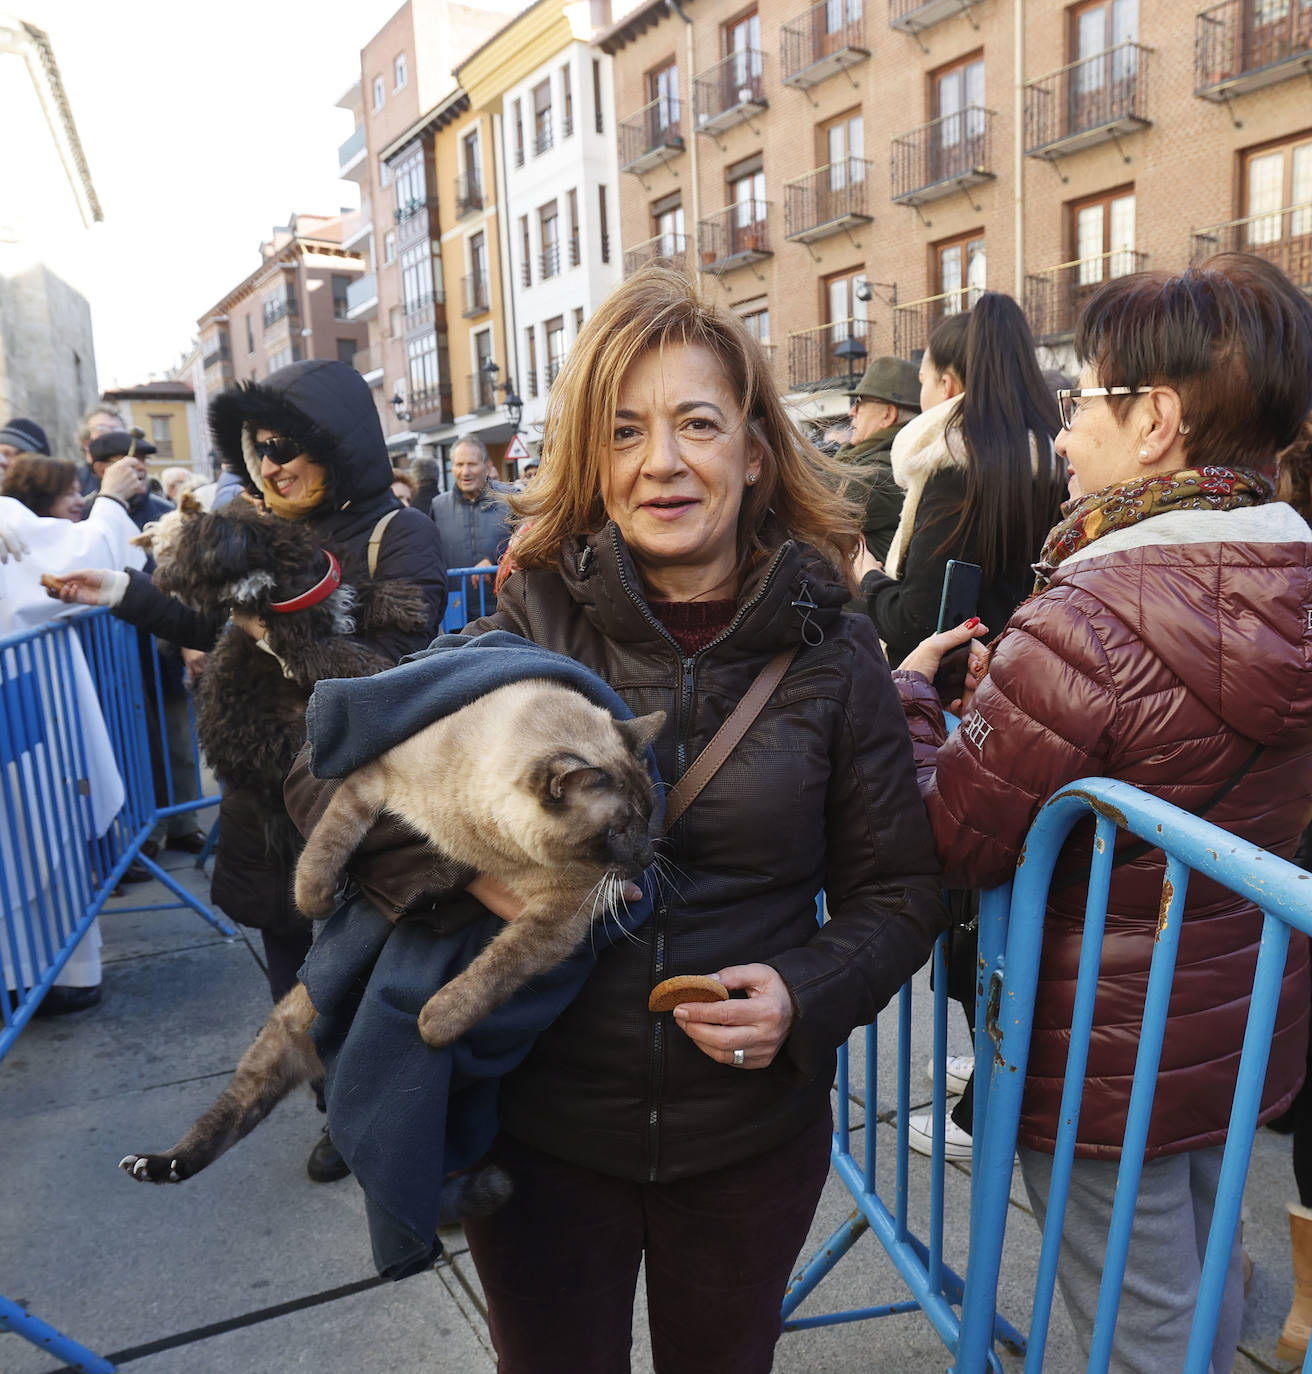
{"points": [[279, 451]]}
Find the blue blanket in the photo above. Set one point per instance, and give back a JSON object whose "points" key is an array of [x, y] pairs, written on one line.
{"points": [[402, 1113]]}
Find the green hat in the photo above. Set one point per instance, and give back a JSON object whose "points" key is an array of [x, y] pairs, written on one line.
{"points": [[893, 380]]}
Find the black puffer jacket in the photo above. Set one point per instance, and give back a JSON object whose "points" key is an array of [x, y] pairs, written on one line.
{"points": [[820, 793]]}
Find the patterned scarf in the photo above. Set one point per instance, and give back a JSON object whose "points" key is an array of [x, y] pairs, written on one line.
{"points": [[1126, 503]]}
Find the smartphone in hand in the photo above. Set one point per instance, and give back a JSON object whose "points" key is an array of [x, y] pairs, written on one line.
{"points": [[959, 601]]}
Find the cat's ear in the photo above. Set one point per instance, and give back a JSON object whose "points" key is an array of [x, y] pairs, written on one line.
{"points": [[554, 777], [640, 732]]}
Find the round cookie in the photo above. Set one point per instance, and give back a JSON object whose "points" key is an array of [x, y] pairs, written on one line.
{"points": [[686, 987]]}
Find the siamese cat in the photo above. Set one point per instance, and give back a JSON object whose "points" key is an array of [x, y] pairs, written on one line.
{"points": [[531, 785]]}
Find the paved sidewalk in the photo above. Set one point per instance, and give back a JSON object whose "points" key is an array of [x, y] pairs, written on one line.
{"points": [[252, 1269]]}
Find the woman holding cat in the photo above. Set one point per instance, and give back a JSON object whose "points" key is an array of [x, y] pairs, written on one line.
{"points": [[680, 535]]}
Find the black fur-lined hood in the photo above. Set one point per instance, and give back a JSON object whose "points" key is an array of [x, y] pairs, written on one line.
{"points": [[326, 407]]}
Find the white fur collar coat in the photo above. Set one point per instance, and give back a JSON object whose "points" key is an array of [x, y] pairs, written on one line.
{"points": [[922, 448]]}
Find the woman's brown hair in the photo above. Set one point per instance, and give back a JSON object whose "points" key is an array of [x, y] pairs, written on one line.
{"points": [[38, 481], [800, 489]]}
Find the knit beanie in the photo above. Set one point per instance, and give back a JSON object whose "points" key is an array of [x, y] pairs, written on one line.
{"points": [[26, 436]]}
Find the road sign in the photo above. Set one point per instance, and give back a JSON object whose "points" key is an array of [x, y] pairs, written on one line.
{"points": [[516, 450]]}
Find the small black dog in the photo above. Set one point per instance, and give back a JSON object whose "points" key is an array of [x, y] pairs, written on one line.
{"points": [[293, 622]]}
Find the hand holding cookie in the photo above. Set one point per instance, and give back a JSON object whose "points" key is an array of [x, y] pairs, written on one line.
{"points": [[742, 1032]]}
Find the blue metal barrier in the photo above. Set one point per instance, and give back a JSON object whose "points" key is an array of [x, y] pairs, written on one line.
{"points": [[74, 725], [469, 597]]}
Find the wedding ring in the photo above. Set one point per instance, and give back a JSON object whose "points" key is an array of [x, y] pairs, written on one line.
{"points": [[739, 1057]]}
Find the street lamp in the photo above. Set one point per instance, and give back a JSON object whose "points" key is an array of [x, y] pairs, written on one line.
{"points": [[514, 405], [398, 407], [851, 349]]}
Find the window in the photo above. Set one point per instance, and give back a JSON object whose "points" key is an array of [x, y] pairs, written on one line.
{"points": [[549, 231], [525, 252], [840, 13], [605, 227], [340, 287], [416, 277], [484, 397], [845, 311], [378, 93], [843, 149], [517, 127], [1102, 234], [389, 246], [667, 216], [478, 294], [471, 162], [346, 351], [542, 117], [578, 320], [747, 196], [279, 302], [555, 347], [411, 186], [398, 72], [384, 174], [572, 205], [531, 359], [284, 357], [161, 435], [1278, 195], [960, 276], [742, 42], [958, 99], [755, 315], [394, 322], [250, 336], [566, 102], [598, 108], [1103, 34], [421, 366], [663, 95]]}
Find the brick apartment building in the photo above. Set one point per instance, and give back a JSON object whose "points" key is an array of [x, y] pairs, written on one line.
{"points": [[852, 171], [293, 306]]}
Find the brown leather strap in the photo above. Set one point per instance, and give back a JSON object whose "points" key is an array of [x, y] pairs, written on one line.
{"points": [[725, 740], [376, 539]]}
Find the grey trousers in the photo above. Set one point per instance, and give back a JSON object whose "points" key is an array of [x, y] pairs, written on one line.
{"points": [[1167, 1244]]}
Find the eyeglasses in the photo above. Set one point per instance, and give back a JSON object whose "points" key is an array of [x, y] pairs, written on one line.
{"points": [[279, 451], [1066, 399]]}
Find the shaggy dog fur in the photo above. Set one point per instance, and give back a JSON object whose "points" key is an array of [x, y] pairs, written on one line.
{"points": [[250, 700]]}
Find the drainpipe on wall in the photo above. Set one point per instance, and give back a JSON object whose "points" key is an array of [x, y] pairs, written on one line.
{"points": [[1018, 144], [689, 105]]}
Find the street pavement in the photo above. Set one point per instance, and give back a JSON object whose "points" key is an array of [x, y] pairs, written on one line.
{"points": [[251, 1268]]}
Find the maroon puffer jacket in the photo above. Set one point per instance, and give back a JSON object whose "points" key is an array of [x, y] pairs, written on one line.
{"points": [[1161, 655]]}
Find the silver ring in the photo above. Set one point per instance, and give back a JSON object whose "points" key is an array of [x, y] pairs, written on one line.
{"points": [[739, 1057]]}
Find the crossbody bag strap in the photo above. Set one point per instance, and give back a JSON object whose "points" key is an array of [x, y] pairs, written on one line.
{"points": [[725, 740], [376, 539]]}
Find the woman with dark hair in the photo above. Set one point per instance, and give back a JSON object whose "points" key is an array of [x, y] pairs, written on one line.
{"points": [[46, 486], [1165, 644], [982, 482]]}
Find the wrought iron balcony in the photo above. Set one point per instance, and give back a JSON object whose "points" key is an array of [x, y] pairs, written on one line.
{"points": [[943, 156], [217, 352], [730, 92], [553, 370], [812, 364], [1237, 48], [734, 237], [476, 294], [279, 309], [911, 16], [913, 320], [1088, 102], [828, 201], [1283, 237], [652, 136], [1055, 296], [575, 252], [666, 250], [469, 196], [549, 261], [829, 38], [481, 396], [543, 139]]}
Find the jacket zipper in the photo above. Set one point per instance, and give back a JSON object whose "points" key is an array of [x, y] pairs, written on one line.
{"points": [[660, 917]]}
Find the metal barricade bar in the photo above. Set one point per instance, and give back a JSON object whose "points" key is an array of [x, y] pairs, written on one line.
{"points": [[469, 597]]}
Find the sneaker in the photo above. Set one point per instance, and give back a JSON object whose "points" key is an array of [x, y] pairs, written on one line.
{"points": [[920, 1136], [959, 1069], [325, 1164]]}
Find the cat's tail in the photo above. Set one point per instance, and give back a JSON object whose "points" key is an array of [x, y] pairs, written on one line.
{"points": [[281, 1056], [346, 820], [476, 1192]]}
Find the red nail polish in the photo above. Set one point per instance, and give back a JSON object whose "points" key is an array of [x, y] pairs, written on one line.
{"points": [[972, 622]]}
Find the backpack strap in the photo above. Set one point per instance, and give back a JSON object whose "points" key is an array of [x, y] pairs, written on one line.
{"points": [[376, 539]]}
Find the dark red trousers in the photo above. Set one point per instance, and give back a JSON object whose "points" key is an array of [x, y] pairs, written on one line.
{"points": [[559, 1262]]}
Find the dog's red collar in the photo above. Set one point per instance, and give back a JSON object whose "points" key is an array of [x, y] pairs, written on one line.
{"points": [[321, 590]]}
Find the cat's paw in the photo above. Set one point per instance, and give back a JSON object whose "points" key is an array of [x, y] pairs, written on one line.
{"points": [[314, 896], [154, 1168], [438, 1022]]}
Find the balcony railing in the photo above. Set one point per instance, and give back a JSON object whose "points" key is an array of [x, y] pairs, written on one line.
{"points": [[543, 139], [666, 250], [419, 312], [1282, 237], [553, 370], [481, 396], [277, 310], [828, 201], [549, 261], [913, 15], [362, 297], [575, 252], [652, 136], [526, 269], [730, 92], [1055, 296], [427, 400], [1087, 102], [1238, 48], [943, 156], [220, 353], [829, 38], [811, 361], [469, 196], [734, 236], [409, 209], [349, 151], [913, 320], [476, 294]]}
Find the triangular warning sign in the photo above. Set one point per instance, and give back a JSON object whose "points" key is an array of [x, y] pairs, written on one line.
{"points": [[516, 450]]}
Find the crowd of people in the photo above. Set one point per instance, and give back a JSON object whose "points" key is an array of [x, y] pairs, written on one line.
{"points": [[683, 539]]}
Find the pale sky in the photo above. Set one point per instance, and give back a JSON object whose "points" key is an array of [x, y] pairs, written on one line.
{"points": [[204, 125]]}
